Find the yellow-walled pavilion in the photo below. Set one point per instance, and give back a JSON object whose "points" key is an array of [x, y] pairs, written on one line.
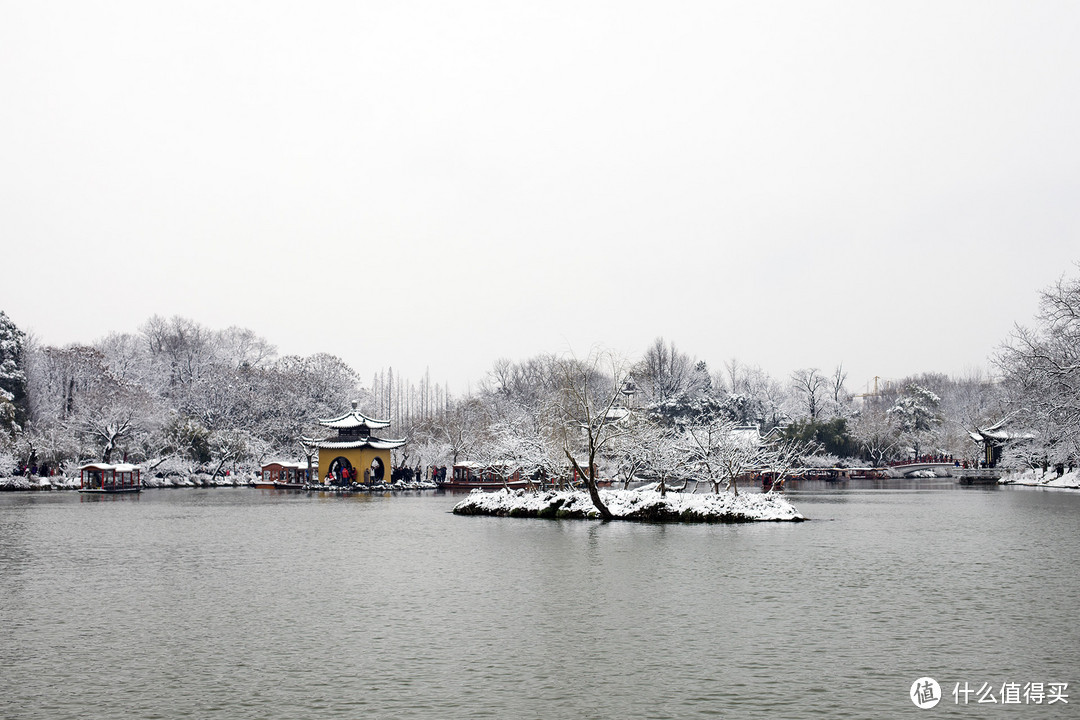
{"points": [[354, 455]]}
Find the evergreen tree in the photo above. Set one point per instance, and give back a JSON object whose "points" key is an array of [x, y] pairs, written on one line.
{"points": [[831, 436], [12, 376], [917, 416]]}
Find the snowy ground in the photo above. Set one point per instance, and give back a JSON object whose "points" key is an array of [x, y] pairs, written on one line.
{"points": [[1070, 480], [33, 482], [197, 480], [633, 505]]}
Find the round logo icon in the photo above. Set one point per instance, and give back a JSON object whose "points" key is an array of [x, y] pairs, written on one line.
{"points": [[925, 693]]}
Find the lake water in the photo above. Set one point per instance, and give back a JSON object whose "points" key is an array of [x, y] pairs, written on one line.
{"points": [[240, 603]]}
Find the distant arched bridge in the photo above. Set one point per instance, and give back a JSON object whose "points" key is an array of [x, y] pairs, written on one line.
{"points": [[904, 469]]}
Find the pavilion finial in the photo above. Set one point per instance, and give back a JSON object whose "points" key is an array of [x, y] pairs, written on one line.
{"points": [[353, 404]]}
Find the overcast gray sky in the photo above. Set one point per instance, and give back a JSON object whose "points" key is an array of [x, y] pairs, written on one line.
{"points": [[437, 184]]}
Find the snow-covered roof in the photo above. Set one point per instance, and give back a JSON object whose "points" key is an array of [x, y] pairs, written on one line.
{"points": [[371, 442], [1002, 435], [616, 413], [285, 464], [121, 467], [353, 419], [748, 435], [998, 431]]}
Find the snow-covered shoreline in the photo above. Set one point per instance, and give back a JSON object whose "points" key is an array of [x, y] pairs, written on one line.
{"points": [[61, 482], [33, 482], [1049, 479], [633, 505]]}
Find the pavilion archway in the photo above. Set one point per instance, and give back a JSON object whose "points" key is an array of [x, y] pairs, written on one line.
{"points": [[377, 471], [340, 469]]}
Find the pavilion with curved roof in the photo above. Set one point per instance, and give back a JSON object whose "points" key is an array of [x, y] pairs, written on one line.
{"points": [[354, 455]]}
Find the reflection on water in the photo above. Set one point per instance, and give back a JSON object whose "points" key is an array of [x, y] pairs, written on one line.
{"points": [[246, 604]]}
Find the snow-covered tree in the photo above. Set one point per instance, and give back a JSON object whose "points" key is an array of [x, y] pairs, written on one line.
{"points": [[186, 375], [780, 455], [461, 427], [665, 372], [128, 358], [9, 421], [428, 452], [109, 417], [628, 453], [513, 445], [721, 450], [839, 398], [916, 415], [182, 349], [876, 435], [587, 426], [811, 388], [240, 347], [12, 376], [231, 446], [1040, 366], [665, 454], [770, 397]]}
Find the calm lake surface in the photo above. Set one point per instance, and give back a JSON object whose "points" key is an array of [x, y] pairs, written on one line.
{"points": [[241, 603]]}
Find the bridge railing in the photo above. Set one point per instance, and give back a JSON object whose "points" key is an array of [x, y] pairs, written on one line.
{"points": [[927, 460]]}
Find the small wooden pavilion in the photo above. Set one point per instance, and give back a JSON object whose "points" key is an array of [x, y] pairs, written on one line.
{"points": [[996, 438], [354, 455]]}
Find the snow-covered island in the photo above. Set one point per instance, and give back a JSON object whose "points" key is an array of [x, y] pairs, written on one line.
{"points": [[648, 506]]}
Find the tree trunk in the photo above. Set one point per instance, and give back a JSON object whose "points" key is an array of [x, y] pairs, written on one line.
{"points": [[594, 494], [590, 483]]}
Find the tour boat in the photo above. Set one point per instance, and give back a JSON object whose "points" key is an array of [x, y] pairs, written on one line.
{"points": [[105, 478], [867, 473], [283, 476], [471, 476]]}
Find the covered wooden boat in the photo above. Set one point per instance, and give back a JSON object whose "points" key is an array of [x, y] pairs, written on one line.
{"points": [[283, 476], [471, 476], [106, 478]]}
